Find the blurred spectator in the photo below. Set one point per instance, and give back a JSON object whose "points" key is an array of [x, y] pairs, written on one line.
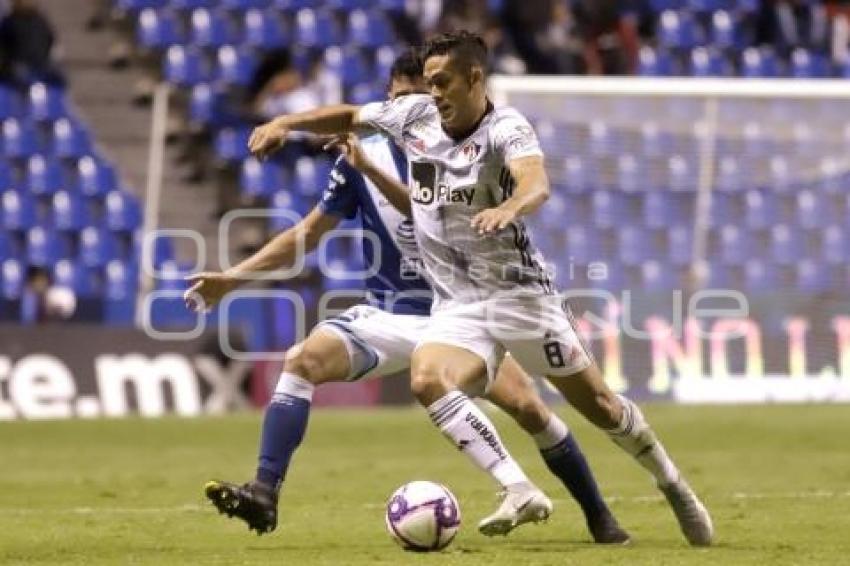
{"points": [[540, 32], [41, 302], [839, 16], [26, 43], [788, 24], [608, 30], [279, 88]]}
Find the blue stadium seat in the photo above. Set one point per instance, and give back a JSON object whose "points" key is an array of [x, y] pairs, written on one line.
{"points": [[7, 245], [578, 175], [172, 277], [235, 66], [608, 209], [656, 276], [12, 277], [780, 177], [347, 64], [122, 212], [119, 293], [243, 5], [44, 175], [364, 93], [662, 209], [681, 175], [20, 139], [786, 247], [832, 179], [760, 276], [400, 5], [7, 180], [706, 62], [69, 211], [158, 29], [631, 176], [812, 209], [295, 5], [45, 247], [654, 142], [185, 66], [311, 175], [384, 58], [163, 248], [725, 32], [97, 247], [9, 103], [70, 139], [139, 5], [18, 211], [728, 177], [709, 6], [187, 5], [813, 276], [316, 28], [283, 205], [662, 5], [260, 178], [601, 140], [760, 209], [584, 244], [759, 62], [680, 244], [612, 279], [835, 245], [368, 29], [677, 30], [46, 102], [264, 30], [654, 62], [211, 28], [95, 178], [808, 65], [734, 245], [82, 281], [755, 144], [635, 245], [231, 144], [348, 5]]}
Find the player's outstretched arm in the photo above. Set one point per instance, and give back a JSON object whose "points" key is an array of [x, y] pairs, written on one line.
{"points": [[392, 189], [532, 190], [269, 137], [280, 252]]}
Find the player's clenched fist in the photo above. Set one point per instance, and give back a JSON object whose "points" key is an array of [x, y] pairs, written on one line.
{"points": [[207, 290], [268, 138]]}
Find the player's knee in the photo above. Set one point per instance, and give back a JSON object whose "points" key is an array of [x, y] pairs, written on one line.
{"points": [[310, 365], [609, 409], [427, 385]]}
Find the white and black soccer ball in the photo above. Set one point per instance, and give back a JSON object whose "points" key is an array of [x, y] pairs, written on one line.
{"points": [[423, 516]]}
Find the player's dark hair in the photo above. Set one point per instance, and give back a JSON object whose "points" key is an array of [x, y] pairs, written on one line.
{"points": [[408, 65], [468, 48]]}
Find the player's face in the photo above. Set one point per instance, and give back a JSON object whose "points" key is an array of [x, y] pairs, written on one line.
{"points": [[455, 91], [401, 86]]}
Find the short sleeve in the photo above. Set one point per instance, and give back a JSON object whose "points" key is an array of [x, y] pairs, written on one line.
{"points": [[514, 137], [393, 116], [341, 197]]}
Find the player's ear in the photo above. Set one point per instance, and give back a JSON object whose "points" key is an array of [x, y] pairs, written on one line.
{"points": [[476, 75]]}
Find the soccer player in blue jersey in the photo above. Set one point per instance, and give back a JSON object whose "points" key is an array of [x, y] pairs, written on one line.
{"points": [[378, 337]]}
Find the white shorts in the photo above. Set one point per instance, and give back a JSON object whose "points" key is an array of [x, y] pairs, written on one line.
{"points": [[538, 331], [378, 342]]}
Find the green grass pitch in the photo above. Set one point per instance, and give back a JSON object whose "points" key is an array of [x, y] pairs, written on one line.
{"points": [[776, 478]]}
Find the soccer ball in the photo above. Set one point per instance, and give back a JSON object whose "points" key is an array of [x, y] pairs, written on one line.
{"points": [[423, 516]]}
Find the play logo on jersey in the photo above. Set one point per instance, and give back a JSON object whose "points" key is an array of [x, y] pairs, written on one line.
{"points": [[422, 191]]}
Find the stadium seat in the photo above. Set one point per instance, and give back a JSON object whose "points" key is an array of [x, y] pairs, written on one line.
{"points": [[398, 6], [812, 210], [760, 210], [311, 176], [734, 245], [725, 33], [7, 180], [608, 209], [368, 29], [12, 276], [70, 139], [187, 5], [612, 279], [45, 247], [601, 140], [316, 28], [577, 175], [779, 178], [231, 144], [760, 276], [656, 276], [635, 245], [139, 5], [364, 93], [295, 5], [832, 178], [7, 245], [654, 142], [158, 29], [654, 62], [69, 211], [95, 178], [283, 205], [260, 178], [235, 66], [786, 247], [185, 66], [729, 177], [43, 176], [122, 212], [243, 5], [677, 30], [211, 28], [706, 62], [264, 30], [584, 245], [348, 6], [631, 176], [19, 139], [813, 276], [680, 243], [835, 245], [807, 65], [755, 144], [347, 64], [9, 103], [119, 293], [759, 62], [18, 211], [46, 102], [662, 209], [82, 281], [681, 175], [97, 247], [384, 58]]}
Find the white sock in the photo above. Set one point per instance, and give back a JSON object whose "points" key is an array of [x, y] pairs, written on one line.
{"points": [[634, 435], [292, 385], [555, 432], [471, 431]]}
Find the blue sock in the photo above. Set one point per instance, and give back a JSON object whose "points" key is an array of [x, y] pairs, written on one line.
{"points": [[283, 429], [568, 463]]}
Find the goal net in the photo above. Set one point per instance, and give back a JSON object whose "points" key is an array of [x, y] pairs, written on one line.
{"points": [[701, 228]]}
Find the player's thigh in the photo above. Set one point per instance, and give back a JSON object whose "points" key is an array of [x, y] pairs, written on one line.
{"points": [[322, 357], [514, 392], [588, 393], [438, 367], [376, 342]]}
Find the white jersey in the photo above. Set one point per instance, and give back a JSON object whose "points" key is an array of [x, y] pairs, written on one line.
{"points": [[451, 181]]}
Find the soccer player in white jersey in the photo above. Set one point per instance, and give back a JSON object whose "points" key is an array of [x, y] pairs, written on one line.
{"points": [[475, 171], [375, 338]]}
